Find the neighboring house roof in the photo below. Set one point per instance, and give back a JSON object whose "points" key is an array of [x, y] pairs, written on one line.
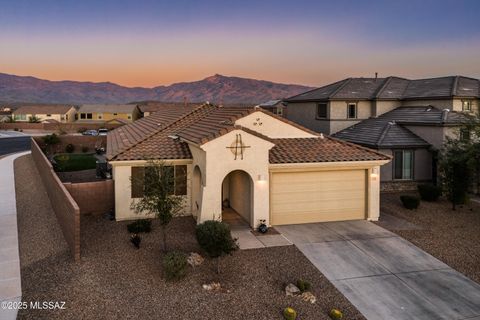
{"points": [[43, 109], [119, 120], [107, 108], [388, 131], [163, 136], [159, 106], [393, 88]]}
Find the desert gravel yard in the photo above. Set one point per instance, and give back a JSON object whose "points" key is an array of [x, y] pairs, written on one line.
{"points": [[116, 281], [451, 236]]}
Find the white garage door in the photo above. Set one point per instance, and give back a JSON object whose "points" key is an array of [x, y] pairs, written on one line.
{"points": [[317, 196]]}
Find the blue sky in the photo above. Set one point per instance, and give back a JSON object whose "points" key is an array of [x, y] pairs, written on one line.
{"points": [[312, 42]]}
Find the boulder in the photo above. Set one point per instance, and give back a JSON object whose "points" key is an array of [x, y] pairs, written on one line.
{"points": [[292, 290]]}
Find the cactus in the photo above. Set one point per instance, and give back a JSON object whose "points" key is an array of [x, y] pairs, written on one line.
{"points": [[289, 313], [335, 314]]}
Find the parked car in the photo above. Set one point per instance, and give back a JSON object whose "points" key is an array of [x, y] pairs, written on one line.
{"points": [[102, 132], [90, 133]]}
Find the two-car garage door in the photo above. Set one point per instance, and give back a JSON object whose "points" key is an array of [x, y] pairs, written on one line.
{"points": [[317, 196]]}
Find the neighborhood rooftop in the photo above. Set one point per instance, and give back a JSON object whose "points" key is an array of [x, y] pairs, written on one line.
{"points": [[141, 139], [44, 109], [387, 130], [393, 88], [107, 108]]}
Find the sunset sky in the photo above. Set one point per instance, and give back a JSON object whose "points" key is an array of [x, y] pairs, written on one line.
{"points": [[150, 43]]}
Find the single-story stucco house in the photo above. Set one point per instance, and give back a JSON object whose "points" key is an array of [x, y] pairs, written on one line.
{"points": [[56, 112], [266, 167]]}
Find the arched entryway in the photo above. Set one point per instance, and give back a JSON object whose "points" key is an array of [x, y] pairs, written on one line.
{"points": [[237, 198], [197, 192]]}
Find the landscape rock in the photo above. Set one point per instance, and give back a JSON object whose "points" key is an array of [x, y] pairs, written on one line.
{"points": [[308, 297], [214, 286], [194, 259], [292, 290]]}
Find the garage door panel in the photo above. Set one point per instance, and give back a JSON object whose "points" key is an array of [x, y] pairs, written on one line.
{"points": [[303, 197]]}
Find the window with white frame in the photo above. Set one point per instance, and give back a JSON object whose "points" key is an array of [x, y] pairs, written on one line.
{"points": [[403, 164], [352, 111]]}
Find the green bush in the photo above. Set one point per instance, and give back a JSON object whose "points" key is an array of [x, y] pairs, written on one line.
{"points": [[143, 225], [410, 202], [175, 265], [69, 148], [303, 285], [85, 149], [429, 192], [215, 238], [289, 313]]}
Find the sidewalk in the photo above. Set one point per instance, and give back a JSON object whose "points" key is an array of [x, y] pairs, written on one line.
{"points": [[10, 284]]}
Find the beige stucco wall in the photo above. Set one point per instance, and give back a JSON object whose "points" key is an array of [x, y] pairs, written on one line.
{"points": [[338, 109], [121, 173], [380, 107], [54, 116], [271, 127], [305, 114], [255, 163], [458, 104]]}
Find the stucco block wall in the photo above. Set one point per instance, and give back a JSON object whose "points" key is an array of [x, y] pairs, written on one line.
{"points": [[422, 170], [305, 114], [122, 171], [66, 209], [93, 197]]}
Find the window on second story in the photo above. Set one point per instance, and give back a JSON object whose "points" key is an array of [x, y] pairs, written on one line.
{"points": [[322, 111], [352, 111], [467, 105], [279, 111]]}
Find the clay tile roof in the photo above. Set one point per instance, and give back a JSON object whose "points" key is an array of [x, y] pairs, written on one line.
{"points": [[309, 150], [146, 139], [43, 109]]}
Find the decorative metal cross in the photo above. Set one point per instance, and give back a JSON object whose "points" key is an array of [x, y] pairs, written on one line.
{"points": [[237, 147]]}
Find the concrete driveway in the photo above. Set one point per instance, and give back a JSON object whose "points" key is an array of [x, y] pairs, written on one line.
{"points": [[383, 275]]}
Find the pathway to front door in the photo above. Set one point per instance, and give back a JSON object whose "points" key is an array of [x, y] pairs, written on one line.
{"points": [[383, 275]]}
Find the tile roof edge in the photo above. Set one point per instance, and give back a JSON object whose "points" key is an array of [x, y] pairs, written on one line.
{"points": [[330, 84], [157, 131], [347, 81], [387, 157]]}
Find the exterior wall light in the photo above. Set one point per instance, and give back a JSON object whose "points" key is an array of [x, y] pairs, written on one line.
{"points": [[374, 174], [261, 178]]}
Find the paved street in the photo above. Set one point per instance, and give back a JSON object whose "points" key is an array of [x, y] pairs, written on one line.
{"points": [[14, 144], [383, 275]]}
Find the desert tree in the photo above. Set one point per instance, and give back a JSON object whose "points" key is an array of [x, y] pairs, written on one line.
{"points": [[33, 119], [157, 184]]}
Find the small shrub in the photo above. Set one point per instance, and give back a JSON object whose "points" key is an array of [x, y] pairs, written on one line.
{"points": [[303, 285], [135, 239], [216, 239], [429, 192], [335, 314], [410, 202], [143, 225], [175, 265], [69, 148], [289, 314], [15, 129], [85, 149]]}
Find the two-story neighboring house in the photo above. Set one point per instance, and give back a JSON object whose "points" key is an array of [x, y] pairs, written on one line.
{"points": [[58, 113], [97, 113], [408, 119]]}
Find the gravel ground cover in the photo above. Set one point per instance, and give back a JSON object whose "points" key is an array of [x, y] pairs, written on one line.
{"points": [[116, 281], [451, 236]]}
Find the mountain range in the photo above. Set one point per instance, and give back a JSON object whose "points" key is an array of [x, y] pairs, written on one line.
{"points": [[216, 89]]}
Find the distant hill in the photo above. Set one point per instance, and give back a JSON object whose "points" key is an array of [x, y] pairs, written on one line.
{"points": [[215, 89]]}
